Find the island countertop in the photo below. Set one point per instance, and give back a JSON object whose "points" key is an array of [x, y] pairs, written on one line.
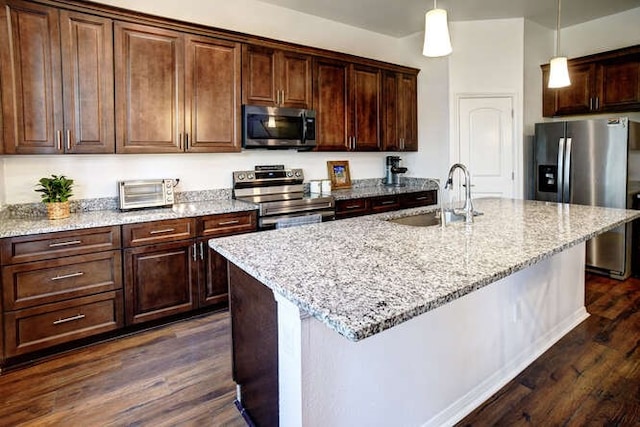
{"points": [[363, 275]]}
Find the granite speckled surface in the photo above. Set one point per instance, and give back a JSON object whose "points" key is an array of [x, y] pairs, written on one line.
{"points": [[412, 185], [363, 275], [17, 225]]}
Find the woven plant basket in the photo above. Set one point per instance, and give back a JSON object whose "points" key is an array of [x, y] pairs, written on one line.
{"points": [[58, 210]]}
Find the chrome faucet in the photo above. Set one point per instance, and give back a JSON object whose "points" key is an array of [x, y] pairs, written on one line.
{"points": [[467, 211]]}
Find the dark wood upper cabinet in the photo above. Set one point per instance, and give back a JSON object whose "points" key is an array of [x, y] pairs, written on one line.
{"points": [[331, 102], [149, 70], [399, 112], [365, 108], [87, 70], [274, 77], [347, 100], [212, 95], [57, 80], [606, 82]]}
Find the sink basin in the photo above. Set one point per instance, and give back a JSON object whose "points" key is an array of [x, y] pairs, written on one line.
{"points": [[421, 220]]}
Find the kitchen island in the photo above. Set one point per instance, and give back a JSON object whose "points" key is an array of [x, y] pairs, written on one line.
{"points": [[368, 322]]}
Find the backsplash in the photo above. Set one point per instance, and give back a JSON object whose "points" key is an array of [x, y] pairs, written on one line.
{"points": [[26, 210]]}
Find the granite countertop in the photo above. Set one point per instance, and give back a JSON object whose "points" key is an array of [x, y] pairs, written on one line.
{"points": [[382, 190], [363, 275], [20, 226]]}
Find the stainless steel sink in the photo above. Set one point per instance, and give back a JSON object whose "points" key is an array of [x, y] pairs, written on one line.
{"points": [[421, 220]]}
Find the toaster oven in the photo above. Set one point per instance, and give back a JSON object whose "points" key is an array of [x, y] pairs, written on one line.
{"points": [[145, 193]]}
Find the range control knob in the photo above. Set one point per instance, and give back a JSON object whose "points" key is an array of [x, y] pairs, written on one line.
{"points": [[289, 174], [250, 176], [240, 176], [298, 174]]}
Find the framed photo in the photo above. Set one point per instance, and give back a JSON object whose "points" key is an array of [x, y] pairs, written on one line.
{"points": [[339, 174]]}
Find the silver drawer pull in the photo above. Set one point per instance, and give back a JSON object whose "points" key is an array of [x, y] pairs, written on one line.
{"points": [[389, 202], [235, 221], [69, 319], [69, 243], [352, 206], [164, 230], [421, 198], [68, 276]]}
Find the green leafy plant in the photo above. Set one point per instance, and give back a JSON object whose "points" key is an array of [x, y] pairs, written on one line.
{"points": [[55, 189]]}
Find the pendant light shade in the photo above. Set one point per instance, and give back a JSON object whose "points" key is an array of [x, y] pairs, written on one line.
{"points": [[436, 33], [559, 72]]}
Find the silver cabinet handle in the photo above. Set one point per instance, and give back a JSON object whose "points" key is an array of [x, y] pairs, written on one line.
{"points": [[234, 221], [164, 230], [59, 139], [352, 206], [421, 198], [180, 140], [69, 319], [68, 276], [194, 253], [186, 141], [202, 251], [68, 139], [590, 104], [597, 102], [282, 97], [388, 202], [69, 243]]}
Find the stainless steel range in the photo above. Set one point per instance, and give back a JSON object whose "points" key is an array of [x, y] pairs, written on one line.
{"points": [[280, 195]]}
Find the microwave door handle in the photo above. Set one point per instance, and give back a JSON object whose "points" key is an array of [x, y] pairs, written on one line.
{"points": [[304, 127]]}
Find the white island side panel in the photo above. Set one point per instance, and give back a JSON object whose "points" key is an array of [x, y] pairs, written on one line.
{"points": [[435, 368]]}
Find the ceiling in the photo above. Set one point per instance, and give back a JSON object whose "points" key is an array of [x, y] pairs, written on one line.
{"points": [[399, 18]]}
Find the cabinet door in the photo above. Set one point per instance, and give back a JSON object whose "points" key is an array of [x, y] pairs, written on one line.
{"points": [[149, 75], [330, 100], [295, 79], [408, 112], [87, 65], [213, 277], [212, 95], [259, 76], [619, 85], [390, 112], [575, 99], [365, 108], [160, 281], [31, 78]]}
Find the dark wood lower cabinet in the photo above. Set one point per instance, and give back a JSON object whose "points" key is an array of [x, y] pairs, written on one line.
{"points": [[160, 281], [254, 333], [213, 283]]}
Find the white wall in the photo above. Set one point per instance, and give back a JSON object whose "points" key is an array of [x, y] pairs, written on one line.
{"points": [[488, 59], [96, 176]]}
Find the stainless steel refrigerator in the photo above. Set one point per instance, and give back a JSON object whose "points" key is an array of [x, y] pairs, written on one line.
{"points": [[585, 162]]}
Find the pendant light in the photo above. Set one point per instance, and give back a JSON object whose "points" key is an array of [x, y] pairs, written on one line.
{"points": [[436, 33], [559, 73]]}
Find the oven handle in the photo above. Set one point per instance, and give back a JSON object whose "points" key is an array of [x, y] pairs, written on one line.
{"points": [[275, 210], [271, 220]]}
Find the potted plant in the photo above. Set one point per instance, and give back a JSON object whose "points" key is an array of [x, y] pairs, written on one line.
{"points": [[55, 195]]}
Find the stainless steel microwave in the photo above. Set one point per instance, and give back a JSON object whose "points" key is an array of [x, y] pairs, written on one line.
{"points": [[278, 128], [145, 193]]}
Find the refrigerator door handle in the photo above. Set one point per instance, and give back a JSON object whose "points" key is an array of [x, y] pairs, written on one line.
{"points": [[560, 173], [566, 180]]}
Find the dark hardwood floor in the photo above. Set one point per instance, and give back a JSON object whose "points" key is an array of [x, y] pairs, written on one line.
{"points": [[176, 375], [589, 378], [180, 375]]}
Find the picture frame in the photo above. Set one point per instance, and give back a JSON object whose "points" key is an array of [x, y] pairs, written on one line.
{"points": [[339, 174]]}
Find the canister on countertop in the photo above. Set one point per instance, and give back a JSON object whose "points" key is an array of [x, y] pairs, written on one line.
{"points": [[315, 186], [326, 186]]}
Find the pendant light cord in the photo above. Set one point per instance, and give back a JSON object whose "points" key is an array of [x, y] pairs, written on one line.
{"points": [[557, 31]]}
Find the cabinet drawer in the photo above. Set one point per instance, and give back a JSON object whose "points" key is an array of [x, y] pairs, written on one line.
{"points": [[41, 282], [158, 231], [353, 207], [385, 203], [226, 224], [422, 198], [51, 324], [64, 243]]}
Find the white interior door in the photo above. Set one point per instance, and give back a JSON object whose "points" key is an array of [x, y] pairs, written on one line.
{"points": [[486, 138]]}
